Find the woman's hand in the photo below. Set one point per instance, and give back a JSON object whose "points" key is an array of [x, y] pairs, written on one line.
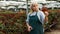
{"points": [[29, 28], [46, 13]]}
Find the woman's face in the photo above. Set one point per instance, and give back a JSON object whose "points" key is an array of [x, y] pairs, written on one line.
{"points": [[34, 7]]}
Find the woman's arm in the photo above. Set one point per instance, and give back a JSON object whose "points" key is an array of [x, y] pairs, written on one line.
{"points": [[27, 20], [41, 16], [29, 27], [46, 17], [27, 23]]}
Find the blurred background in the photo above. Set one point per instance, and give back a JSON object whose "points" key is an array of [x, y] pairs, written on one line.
{"points": [[13, 14]]}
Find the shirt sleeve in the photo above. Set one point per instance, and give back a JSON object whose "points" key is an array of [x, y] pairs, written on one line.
{"points": [[27, 20], [41, 17]]}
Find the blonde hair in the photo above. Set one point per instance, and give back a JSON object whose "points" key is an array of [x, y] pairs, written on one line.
{"points": [[32, 4]]}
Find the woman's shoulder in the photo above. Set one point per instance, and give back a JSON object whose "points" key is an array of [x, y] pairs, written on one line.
{"points": [[29, 13], [40, 12]]}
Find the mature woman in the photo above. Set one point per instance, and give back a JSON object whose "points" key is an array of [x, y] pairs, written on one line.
{"points": [[45, 11], [35, 20]]}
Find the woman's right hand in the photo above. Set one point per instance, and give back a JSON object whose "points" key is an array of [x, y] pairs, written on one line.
{"points": [[29, 28]]}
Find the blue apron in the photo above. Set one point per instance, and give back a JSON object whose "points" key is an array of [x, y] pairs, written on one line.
{"points": [[36, 25]]}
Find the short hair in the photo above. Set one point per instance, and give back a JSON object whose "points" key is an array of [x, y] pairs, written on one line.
{"points": [[33, 3], [44, 9]]}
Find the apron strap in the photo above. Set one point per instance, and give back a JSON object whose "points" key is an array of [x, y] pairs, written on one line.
{"points": [[38, 18]]}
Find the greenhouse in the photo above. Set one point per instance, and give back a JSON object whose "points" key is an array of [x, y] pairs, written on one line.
{"points": [[14, 15]]}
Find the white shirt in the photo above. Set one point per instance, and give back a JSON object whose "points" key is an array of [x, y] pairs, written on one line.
{"points": [[40, 15]]}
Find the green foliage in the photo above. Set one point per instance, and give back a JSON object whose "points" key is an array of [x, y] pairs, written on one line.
{"points": [[13, 23], [54, 17]]}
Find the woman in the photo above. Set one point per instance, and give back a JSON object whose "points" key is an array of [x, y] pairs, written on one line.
{"points": [[45, 11], [35, 20]]}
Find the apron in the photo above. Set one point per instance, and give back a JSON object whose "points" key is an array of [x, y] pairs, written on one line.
{"points": [[36, 25]]}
